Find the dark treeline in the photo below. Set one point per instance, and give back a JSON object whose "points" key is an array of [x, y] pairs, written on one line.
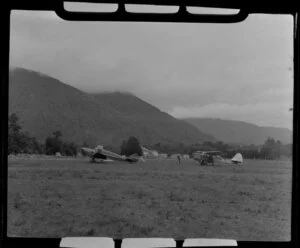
{"points": [[20, 141], [55, 144], [271, 149]]}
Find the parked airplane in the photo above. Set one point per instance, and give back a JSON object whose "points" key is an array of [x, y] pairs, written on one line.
{"points": [[205, 157], [104, 155], [215, 157]]}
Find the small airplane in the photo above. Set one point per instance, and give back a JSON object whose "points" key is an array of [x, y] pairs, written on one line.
{"points": [[105, 156], [206, 157]]}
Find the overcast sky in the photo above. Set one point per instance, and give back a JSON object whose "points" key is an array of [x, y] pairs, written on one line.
{"points": [[238, 71]]}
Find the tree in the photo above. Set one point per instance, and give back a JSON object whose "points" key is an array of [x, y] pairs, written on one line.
{"points": [[69, 148], [18, 140], [287, 150], [36, 146], [131, 146], [14, 132], [54, 144], [271, 149]]}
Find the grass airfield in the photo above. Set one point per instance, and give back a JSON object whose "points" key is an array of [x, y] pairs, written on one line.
{"points": [[156, 198]]}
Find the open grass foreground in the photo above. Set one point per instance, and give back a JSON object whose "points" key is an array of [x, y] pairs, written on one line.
{"points": [[58, 198]]}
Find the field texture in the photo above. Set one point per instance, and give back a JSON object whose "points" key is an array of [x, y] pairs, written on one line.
{"points": [[71, 197]]}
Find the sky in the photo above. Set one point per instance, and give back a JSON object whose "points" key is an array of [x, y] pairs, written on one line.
{"points": [[240, 71]]}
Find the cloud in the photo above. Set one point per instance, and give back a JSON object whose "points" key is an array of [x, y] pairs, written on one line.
{"points": [[179, 68]]}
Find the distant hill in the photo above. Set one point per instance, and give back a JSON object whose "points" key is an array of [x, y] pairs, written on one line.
{"points": [[45, 104], [240, 132]]}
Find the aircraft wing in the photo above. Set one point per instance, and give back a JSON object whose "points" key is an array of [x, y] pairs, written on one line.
{"points": [[117, 157], [112, 155], [213, 153], [87, 151], [105, 155]]}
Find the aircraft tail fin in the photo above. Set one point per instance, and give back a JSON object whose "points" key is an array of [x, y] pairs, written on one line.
{"points": [[238, 158]]}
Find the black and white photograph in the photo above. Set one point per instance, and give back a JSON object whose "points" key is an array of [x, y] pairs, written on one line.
{"points": [[148, 129]]}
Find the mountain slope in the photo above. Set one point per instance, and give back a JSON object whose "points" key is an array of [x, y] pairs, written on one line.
{"points": [[240, 132], [45, 104], [151, 118]]}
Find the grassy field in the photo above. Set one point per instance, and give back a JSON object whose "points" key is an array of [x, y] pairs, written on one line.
{"points": [[56, 198]]}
